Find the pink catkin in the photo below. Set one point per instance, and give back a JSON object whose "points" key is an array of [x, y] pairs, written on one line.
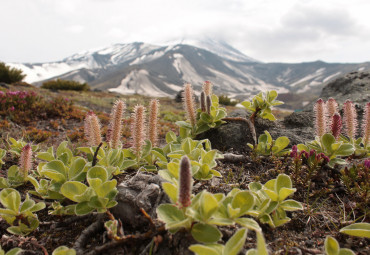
{"points": [[116, 123], [189, 103], [153, 121], [336, 125], [185, 182], [207, 88], [87, 127], [25, 162], [95, 130], [350, 119], [138, 129], [320, 117], [331, 108], [366, 126]]}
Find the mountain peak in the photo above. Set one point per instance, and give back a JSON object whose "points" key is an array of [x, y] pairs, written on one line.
{"points": [[218, 47]]}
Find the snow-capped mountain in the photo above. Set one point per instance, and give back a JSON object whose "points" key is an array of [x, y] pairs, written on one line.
{"points": [[161, 70]]}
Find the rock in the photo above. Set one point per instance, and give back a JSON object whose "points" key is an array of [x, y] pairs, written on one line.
{"points": [[298, 127], [354, 86], [141, 191]]}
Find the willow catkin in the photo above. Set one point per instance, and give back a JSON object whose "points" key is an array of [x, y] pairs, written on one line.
{"points": [[25, 161], [189, 103], [320, 117], [138, 129], [185, 182], [153, 121], [350, 119], [115, 124]]}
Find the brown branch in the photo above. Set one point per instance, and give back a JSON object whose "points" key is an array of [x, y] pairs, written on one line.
{"points": [[250, 125], [95, 158], [146, 215]]}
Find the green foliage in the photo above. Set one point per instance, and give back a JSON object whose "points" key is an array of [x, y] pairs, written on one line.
{"points": [[261, 246], [266, 146], [13, 179], [357, 229], [261, 105], [330, 147], [356, 181], [19, 215], [232, 247], [14, 251], [2, 155], [114, 160], [206, 121], [332, 247], [65, 85], [99, 195], [64, 250], [202, 158], [16, 146], [225, 100], [9, 74], [270, 204]]}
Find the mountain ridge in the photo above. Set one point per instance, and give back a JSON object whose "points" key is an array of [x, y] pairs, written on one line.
{"points": [[161, 70]]}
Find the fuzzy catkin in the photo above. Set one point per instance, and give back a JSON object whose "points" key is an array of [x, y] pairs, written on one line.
{"points": [[25, 161], [153, 121], [185, 182], [208, 104], [336, 125], [138, 129], [189, 103], [116, 124], [95, 126], [350, 119], [203, 101], [331, 108], [87, 127], [207, 88], [366, 126], [320, 117]]}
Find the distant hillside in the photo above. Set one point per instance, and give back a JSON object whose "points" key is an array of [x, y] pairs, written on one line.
{"points": [[140, 68]]}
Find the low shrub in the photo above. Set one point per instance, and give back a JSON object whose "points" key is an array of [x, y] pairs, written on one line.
{"points": [[65, 85], [10, 75], [225, 100]]}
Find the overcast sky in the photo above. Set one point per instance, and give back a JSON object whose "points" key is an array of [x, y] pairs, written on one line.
{"points": [[266, 30]]}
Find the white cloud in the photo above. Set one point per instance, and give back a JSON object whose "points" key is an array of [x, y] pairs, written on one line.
{"points": [[268, 30]]}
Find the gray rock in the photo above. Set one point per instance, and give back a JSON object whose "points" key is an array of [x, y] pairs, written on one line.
{"points": [[141, 191]]}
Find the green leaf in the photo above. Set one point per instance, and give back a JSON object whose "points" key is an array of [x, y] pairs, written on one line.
{"points": [[183, 124], [127, 163], [200, 249], [106, 187], [285, 192], [243, 200], [71, 189], [209, 205], [46, 156], [14, 251], [171, 191], [291, 205], [345, 251], [27, 204], [10, 198], [171, 137], [236, 242], [205, 233], [280, 143], [147, 148], [63, 250], [327, 141], [97, 172], [37, 207], [209, 157], [345, 150], [357, 229], [169, 213], [173, 168], [283, 181], [76, 168], [83, 208], [248, 223], [56, 166], [331, 246]]}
